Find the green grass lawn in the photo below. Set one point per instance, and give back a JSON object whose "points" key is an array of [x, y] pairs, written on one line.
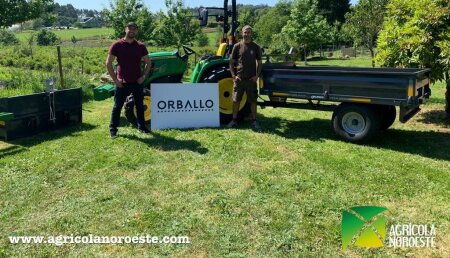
{"points": [[213, 39], [362, 61], [66, 35], [235, 192]]}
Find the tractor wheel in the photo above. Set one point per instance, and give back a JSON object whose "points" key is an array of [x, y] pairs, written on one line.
{"points": [[356, 122], [222, 76], [130, 108]]}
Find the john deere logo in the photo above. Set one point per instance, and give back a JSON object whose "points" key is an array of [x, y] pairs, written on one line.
{"points": [[363, 226]]}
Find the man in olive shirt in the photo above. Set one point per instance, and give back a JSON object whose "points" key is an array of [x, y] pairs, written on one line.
{"points": [[245, 67]]}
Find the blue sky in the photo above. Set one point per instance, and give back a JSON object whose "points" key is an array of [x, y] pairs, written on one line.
{"points": [[156, 5]]}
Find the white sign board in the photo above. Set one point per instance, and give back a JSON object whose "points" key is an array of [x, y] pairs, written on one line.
{"points": [[178, 105]]}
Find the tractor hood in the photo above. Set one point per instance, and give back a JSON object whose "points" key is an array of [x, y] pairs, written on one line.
{"points": [[163, 54]]}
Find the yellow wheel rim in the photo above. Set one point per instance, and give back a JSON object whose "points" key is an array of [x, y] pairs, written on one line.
{"points": [[226, 96], [147, 109]]}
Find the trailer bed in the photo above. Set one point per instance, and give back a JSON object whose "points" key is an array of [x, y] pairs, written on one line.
{"points": [[385, 86]]}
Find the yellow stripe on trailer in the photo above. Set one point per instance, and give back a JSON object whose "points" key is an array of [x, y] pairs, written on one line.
{"points": [[280, 94], [411, 91], [362, 100]]}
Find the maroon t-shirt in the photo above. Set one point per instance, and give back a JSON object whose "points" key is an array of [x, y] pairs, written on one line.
{"points": [[129, 57]]}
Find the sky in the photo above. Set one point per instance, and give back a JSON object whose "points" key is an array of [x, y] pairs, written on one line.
{"points": [[156, 5]]}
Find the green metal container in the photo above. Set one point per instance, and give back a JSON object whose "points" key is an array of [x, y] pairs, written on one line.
{"points": [[103, 91]]}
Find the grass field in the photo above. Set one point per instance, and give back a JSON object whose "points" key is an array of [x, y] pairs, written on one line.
{"points": [[235, 192], [363, 61], [66, 35]]}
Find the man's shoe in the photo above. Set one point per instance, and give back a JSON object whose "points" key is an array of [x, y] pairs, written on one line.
{"points": [[113, 134], [256, 126], [232, 124], [144, 130]]}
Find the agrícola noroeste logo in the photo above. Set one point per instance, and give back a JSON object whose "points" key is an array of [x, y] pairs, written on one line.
{"points": [[365, 226]]}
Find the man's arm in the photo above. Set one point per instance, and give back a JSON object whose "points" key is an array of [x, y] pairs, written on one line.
{"points": [[233, 62], [258, 67], [109, 61], [148, 67]]}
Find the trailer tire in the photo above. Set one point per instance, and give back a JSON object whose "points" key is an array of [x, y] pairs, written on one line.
{"points": [[356, 123], [130, 108], [388, 115], [222, 76]]}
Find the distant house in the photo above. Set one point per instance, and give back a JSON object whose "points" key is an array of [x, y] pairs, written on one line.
{"points": [[89, 22], [15, 27]]}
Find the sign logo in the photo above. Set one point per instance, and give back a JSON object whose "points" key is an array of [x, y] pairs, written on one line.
{"points": [[363, 226], [178, 105]]}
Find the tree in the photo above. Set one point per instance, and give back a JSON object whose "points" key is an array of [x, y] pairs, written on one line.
{"points": [[38, 23], [250, 14], [416, 33], [124, 11], [49, 19], [17, 11], [65, 21], [271, 23], [247, 16], [306, 29], [202, 40], [30, 42], [334, 10], [66, 10], [365, 21], [177, 27]]}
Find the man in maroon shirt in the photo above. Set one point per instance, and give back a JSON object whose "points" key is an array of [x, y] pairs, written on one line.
{"points": [[129, 79]]}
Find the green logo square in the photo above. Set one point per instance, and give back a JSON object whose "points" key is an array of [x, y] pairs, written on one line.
{"points": [[362, 226]]}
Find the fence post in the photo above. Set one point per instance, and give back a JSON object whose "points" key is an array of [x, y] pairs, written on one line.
{"points": [[58, 49]]}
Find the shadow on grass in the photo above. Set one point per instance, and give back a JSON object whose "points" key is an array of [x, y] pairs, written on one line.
{"points": [[323, 58], [168, 144], [11, 150], [435, 117], [315, 129], [22, 144], [434, 145]]}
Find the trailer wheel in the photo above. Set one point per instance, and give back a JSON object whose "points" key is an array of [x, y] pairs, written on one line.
{"points": [[388, 115], [130, 108], [356, 122], [222, 76]]}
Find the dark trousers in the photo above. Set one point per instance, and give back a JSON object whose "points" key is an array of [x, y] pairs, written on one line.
{"points": [[119, 99]]}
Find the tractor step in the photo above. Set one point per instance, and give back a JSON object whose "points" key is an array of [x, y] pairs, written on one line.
{"points": [[103, 92]]}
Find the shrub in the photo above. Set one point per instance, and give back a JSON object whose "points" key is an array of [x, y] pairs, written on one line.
{"points": [[202, 40], [47, 38], [8, 38]]}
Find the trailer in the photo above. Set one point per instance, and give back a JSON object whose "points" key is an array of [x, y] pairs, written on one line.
{"points": [[368, 97]]}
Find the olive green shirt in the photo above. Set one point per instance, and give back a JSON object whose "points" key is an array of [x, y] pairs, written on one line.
{"points": [[245, 56]]}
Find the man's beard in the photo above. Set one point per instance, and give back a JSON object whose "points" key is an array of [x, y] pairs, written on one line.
{"points": [[247, 38], [130, 36]]}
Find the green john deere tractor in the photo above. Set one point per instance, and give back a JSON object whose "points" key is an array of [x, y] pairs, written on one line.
{"points": [[169, 67]]}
